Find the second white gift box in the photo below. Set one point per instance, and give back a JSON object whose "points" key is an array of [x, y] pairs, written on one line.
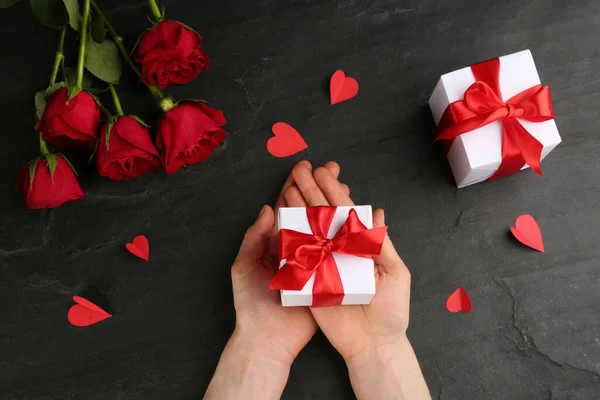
{"points": [[476, 155]]}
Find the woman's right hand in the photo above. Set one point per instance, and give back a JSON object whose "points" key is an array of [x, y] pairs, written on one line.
{"points": [[371, 338]]}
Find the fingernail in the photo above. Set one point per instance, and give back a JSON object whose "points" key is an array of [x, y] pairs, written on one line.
{"points": [[262, 211], [383, 215]]}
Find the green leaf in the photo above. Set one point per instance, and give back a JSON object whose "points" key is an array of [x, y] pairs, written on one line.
{"points": [[50, 90], [103, 60], [109, 126], [52, 163], [72, 7], [97, 29], [72, 92], [32, 167], [138, 119], [40, 103], [7, 3], [71, 77], [51, 13], [42, 97]]}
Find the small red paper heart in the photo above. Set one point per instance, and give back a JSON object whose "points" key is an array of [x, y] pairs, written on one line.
{"points": [[459, 300], [341, 87], [527, 231], [140, 247], [86, 313], [287, 141]]}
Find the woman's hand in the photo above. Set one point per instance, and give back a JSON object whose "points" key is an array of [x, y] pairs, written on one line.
{"points": [[371, 338], [352, 329], [267, 336], [258, 310]]}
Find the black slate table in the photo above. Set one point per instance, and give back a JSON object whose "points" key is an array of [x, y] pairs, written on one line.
{"points": [[534, 332]]}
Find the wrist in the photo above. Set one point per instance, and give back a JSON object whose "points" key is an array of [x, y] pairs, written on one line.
{"points": [[250, 367], [257, 348], [380, 351], [388, 369]]}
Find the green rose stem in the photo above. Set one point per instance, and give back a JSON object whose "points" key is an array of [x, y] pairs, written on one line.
{"points": [[116, 100], [165, 102], [84, 35], [59, 59], [155, 10], [43, 148]]}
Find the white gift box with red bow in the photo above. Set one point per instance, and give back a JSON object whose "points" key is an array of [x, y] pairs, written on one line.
{"points": [[357, 273], [476, 155]]}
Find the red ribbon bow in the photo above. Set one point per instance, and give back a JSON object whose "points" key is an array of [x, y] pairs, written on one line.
{"points": [[483, 105], [306, 254]]}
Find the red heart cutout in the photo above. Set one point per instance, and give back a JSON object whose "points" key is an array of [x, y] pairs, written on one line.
{"points": [[86, 313], [459, 300], [527, 231], [140, 247], [341, 87], [287, 141]]}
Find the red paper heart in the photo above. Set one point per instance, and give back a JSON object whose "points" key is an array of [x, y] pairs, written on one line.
{"points": [[527, 231], [459, 300], [86, 313], [287, 141], [140, 247], [341, 87]]}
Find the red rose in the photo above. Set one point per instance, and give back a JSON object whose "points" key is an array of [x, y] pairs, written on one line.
{"points": [[188, 133], [127, 151], [170, 53], [70, 123], [42, 189]]}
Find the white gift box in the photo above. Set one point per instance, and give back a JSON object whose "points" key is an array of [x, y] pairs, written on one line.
{"points": [[474, 156], [357, 273]]}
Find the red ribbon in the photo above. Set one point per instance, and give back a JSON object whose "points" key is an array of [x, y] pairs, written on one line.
{"points": [[483, 105], [306, 253]]}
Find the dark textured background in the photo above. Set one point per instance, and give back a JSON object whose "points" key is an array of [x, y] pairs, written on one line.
{"points": [[534, 329]]}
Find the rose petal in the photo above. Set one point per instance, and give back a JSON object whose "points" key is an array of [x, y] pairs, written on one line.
{"points": [[130, 152], [46, 192]]}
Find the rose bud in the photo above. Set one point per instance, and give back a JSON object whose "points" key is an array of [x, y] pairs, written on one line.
{"points": [[126, 149], [48, 181], [170, 53], [188, 133], [70, 123]]}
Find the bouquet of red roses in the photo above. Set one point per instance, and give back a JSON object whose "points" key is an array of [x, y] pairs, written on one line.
{"points": [[70, 113]]}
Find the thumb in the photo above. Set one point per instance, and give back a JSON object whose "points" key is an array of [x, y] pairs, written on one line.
{"points": [[255, 241], [388, 260]]}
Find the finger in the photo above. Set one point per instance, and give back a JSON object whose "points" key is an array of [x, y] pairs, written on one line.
{"points": [[331, 188], [346, 189], [333, 167], [280, 202], [289, 182], [308, 187], [294, 198], [388, 260], [378, 218], [255, 241]]}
